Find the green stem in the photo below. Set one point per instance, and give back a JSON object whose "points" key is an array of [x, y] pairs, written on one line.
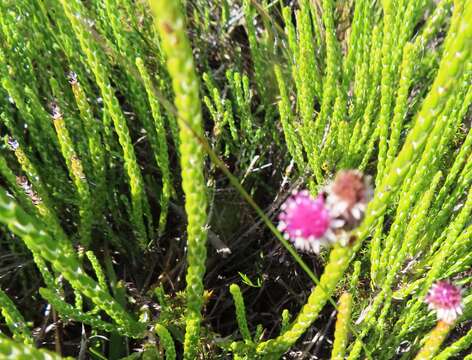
{"points": [[170, 22]]}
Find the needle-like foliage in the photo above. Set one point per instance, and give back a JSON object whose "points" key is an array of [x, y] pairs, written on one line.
{"points": [[147, 149]]}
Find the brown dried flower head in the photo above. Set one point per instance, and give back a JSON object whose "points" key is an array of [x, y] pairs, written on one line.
{"points": [[347, 196]]}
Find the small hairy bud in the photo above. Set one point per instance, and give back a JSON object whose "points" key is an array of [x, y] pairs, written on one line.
{"points": [[446, 299], [306, 221]]}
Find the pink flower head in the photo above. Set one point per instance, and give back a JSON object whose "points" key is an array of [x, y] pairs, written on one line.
{"points": [[446, 299], [306, 221]]}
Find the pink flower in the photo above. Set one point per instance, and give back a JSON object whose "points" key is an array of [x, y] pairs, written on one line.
{"points": [[446, 299], [306, 222]]}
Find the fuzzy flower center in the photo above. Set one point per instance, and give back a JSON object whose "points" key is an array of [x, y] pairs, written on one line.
{"points": [[446, 299], [444, 295], [304, 216]]}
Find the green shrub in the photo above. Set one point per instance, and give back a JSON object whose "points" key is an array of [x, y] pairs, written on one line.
{"points": [[135, 131]]}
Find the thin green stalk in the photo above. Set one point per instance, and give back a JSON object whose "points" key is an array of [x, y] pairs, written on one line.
{"points": [[70, 312], [291, 138], [166, 340], [162, 157], [97, 268], [21, 351], [95, 147], [401, 104], [76, 172], [240, 311], [341, 331], [170, 22], [14, 320], [434, 341]]}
